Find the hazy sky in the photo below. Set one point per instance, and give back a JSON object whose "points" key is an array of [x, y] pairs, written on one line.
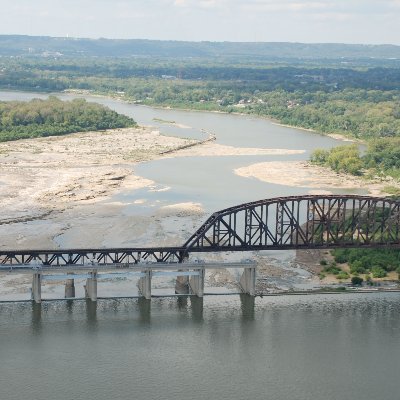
{"points": [[348, 21]]}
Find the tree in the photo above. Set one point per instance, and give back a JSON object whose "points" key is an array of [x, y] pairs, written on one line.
{"points": [[356, 281]]}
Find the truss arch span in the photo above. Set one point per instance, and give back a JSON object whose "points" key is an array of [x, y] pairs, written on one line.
{"points": [[308, 221]]}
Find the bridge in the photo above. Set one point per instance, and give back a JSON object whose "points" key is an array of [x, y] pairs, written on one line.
{"points": [[284, 223]]}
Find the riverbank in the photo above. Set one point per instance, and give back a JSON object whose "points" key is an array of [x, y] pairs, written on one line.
{"points": [[337, 136], [318, 180], [51, 185], [274, 121], [49, 174]]}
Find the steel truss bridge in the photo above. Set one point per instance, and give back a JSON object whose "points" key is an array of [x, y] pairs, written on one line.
{"points": [[296, 222]]}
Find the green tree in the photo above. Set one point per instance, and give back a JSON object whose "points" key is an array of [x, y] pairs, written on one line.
{"points": [[356, 281]]}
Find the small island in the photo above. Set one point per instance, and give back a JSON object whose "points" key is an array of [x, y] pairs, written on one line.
{"points": [[53, 117]]}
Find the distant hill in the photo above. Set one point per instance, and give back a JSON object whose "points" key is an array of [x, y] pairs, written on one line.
{"points": [[20, 45]]}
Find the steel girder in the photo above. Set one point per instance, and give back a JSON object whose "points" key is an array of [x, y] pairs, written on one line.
{"points": [[90, 257], [301, 222]]}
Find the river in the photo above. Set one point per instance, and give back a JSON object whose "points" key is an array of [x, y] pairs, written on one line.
{"points": [[210, 181], [223, 347], [295, 347]]}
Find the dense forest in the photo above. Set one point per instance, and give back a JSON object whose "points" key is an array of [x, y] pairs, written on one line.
{"points": [[36, 118], [361, 102]]}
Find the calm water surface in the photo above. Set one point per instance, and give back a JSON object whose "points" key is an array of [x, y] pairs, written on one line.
{"points": [[302, 347]]}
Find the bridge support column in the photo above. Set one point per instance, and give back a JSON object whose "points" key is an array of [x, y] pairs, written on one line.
{"points": [[182, 282], [144, 285], [182, 285], [36, 294], [196, 283], [91, 286], [69, 287], [248, 281]]}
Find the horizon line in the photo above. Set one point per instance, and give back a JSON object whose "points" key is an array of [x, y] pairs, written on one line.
{"points": [[67, 37]]}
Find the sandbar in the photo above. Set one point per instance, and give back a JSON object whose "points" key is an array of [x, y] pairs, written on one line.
{"points": [[318, 179]]}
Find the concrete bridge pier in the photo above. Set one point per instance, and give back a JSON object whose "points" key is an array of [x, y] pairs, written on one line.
{"points": [[144, 284], [91, 286], [196, 283], [70, 287], [247, 306], [36, 294], [248, 281], [182, 285]]}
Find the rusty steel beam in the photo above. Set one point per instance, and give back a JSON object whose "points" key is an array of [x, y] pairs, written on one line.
{"points": [[89, 257], [301, 222]]}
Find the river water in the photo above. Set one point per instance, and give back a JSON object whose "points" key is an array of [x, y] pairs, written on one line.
{"points": [[223, 347], [295, 347]]}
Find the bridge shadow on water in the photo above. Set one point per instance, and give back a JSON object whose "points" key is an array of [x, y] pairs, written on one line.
{"points": [[247, 305], [138, 309], [91, 314], [36, 322]]}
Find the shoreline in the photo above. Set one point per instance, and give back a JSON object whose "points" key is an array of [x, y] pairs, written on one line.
{"points": [[43, 169], [336, 136], [274, 121]]}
